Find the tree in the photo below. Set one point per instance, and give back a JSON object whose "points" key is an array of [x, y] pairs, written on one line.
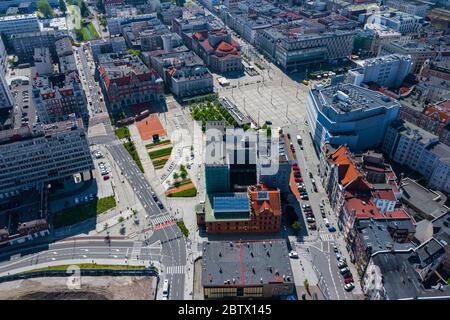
{"points": [[296, 226], [120, 220], [83, 9], [176, 175], [183, 174], [62, 6], [45, 9]]}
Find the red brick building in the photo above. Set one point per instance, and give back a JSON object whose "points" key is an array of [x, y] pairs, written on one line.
{"points": [[128, 81], [257, 211]]}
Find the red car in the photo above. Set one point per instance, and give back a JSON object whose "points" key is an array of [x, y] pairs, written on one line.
{"points": [[105, 178], [298, 179], [295, 164], [297, 169], [348, 280]]}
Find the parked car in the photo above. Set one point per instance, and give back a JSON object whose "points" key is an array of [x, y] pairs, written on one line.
{"points": [[335, 249], [344, 270], [312, 226], [327, 223], [348, 279], [105, 178], [293, 254], [349, 287], [342, 264], [298, 180]]}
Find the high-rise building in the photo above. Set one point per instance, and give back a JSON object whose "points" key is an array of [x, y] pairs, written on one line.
{"points": [[421, 151], [6, 98], [44, 153], [346, 114], [387, 71], [10, 25]]}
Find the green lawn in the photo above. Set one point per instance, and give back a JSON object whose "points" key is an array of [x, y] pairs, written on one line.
{"points": [[157, 143], [83, 211], [122, 133], [94, 32], [85, 34], [133, 152], [183, 228], [158, 164], [160, 153], [191, 192]]}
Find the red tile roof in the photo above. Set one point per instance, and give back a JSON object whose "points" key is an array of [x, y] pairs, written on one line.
{"points": [[364, 208], [273, 204], [384, 194], [440, 112]]}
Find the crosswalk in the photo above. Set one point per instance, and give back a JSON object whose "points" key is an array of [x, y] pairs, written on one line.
{"points": [[136, 251], [162, 221], [175, 269], [326, 237]]}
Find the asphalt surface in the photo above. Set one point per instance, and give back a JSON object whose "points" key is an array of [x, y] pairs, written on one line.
{"points": [[168, 236], [121, 250], [173, 242]]}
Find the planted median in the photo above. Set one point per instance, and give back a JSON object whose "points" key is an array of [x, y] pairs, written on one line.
{"points": [[131, 148]]}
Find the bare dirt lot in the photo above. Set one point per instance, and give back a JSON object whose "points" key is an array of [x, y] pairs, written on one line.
{"points": [[92, 288]]}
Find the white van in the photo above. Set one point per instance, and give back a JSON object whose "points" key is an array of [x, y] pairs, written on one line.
{"points": [[165, 292]]}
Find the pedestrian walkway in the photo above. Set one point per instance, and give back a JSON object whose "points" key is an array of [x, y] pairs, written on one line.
{"points": [[162, 219], [175, 269], [136, 251], [326, 237]]}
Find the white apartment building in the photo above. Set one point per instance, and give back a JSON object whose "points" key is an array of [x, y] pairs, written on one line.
{"points": [[44, 153], [295, 51], [191, 81], [6, 98], [387, 71], [42, 61], [416, 8], [421, 151], [400, 21], [10, 25]]}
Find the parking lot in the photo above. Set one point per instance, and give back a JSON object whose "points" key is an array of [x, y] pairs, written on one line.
{"points": [[25, 112]]}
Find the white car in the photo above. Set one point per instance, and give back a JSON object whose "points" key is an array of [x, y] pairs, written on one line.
{"points": [[349, 286], [293, 254], [327, 223]]}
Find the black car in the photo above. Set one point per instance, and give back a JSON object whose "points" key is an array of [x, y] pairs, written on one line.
{"points": [[160, 205], [268, 122]]}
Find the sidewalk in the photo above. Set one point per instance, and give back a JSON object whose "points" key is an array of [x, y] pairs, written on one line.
{"points": [[149, 171]]}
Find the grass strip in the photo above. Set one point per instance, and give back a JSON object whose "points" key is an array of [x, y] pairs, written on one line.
{"points": [[160, 153], [183, 228], [131, 148], [191, 192]]}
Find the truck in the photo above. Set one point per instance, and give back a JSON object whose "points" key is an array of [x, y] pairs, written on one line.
{"points": [[299, 139]]}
